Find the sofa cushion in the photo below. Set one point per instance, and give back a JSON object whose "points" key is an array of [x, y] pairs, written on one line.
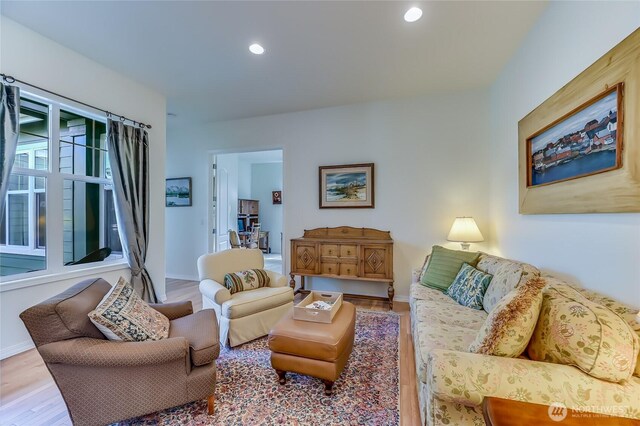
{"points": [[123, 315], [449, 314], [510, 324], [428, 336], [246, 280], [261, 299], [469, 286], [507, 275], [444, 265], [576, 331], [201, 331]]}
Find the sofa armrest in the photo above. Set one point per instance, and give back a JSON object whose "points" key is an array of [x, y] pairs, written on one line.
{"points": [[466, 378], [215, 291], [276, 279], [174, 310], [91, 352]]}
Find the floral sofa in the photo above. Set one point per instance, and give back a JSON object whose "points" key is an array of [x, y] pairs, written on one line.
{"points": [[452, 382]]}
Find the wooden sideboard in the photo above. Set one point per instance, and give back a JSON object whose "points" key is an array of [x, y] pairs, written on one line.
{"points": [[359, 254]]}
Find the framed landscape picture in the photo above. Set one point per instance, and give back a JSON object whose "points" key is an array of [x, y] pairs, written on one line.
{"points": [[178, 192], [347, 186], [584, 142]]}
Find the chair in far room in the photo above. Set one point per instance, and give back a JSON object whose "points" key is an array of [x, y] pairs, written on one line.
{"points": [[243, 315]]}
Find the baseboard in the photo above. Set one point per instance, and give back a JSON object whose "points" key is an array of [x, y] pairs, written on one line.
{"points": [[182, 277], [401, 299], [16, 349]]}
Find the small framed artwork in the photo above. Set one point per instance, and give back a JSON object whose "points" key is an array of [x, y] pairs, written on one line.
{"points": [[584, 142], [347, 186], [277, 197], [178, 192]]}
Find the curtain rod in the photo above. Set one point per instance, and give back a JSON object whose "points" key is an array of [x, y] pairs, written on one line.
{"points": [[10, 79]]}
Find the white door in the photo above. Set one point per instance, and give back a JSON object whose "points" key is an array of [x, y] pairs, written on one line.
{"points": [[222, 204]]}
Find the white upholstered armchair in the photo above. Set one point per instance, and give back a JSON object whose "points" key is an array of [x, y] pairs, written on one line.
{"points": [[245, 315]]}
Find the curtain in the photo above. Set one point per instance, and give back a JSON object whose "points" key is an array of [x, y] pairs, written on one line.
{"points": [[129, 157], [10, 122]]}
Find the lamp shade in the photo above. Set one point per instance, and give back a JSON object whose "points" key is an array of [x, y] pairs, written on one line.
{"points": [[464, 229]]}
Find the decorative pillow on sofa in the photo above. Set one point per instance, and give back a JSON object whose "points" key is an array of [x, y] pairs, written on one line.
{"points": [[575, 331], [246, 280], [507, 276], [123, 315], [469, 286], [509, 326], [444, 265]]}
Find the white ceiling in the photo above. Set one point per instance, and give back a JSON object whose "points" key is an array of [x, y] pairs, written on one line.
{"points": [[318, 53]]}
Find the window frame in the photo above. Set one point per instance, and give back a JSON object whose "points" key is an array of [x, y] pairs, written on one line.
{"points": [[55, 269]]}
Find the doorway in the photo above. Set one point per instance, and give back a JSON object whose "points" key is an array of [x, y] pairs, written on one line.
{"points": [[246, 198]]}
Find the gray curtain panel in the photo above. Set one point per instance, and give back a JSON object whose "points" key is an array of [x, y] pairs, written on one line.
{"points": [[10, 122], [129, 157]]}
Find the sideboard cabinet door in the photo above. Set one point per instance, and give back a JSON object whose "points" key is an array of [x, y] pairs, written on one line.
{"points": [[306, 258], [376, 261]]}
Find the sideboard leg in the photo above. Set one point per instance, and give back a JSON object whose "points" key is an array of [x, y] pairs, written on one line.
{"points": [[302, 282], [391, 292], [292, 283]]}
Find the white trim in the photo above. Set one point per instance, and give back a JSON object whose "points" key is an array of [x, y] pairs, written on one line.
{"points": [[16, 349], [32, 281], [182, 277], [401, 299]]}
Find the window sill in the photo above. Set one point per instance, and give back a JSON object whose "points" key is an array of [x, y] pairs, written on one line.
{"points": [[120, 264]]}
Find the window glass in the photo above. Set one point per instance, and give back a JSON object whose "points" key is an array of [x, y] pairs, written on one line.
{"points": [[34, 134], [90, 230], [82, 145]]}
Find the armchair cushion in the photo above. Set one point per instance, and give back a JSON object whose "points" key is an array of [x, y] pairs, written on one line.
{"points": [[122, 315], [258, 300], [201, 332], [246, 280]]}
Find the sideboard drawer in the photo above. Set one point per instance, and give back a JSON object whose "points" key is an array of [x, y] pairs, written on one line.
{"points": [[347, 269], [348, 251], [330, 268], [329, 250]]}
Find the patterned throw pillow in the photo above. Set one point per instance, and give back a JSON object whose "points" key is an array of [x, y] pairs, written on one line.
{"points": [[444, 265], [573, 330], [246, 280], [123, 315], [469, 286], [509, 326]]}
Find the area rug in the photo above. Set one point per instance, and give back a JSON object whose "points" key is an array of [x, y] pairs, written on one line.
{"points": [[248, 392]]}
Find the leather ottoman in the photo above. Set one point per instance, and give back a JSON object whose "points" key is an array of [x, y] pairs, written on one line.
{"points": [[315, 349]]}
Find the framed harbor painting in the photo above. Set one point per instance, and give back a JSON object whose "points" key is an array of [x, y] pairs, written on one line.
{"points": [[347, 186], [178, 192], [579, 151], [584, 142]]}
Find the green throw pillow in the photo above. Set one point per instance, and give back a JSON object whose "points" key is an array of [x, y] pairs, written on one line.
{"points": [[469, 286], [444, 266]]}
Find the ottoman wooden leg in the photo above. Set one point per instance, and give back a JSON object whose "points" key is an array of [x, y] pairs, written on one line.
{"points": [[328, 387], [282, 376]]}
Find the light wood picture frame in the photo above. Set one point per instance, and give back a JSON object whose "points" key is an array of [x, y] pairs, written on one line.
{"points": [[611, 189]]}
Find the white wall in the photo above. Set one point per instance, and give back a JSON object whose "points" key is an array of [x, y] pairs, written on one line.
{"points": [[38, 60], [432, 163], [266, 178], [600, 251]]}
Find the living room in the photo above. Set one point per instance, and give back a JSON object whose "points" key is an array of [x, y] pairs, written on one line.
{"points": [[434, 104]]}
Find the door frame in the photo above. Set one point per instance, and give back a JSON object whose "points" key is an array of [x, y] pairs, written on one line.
{"points": [[213, 220]]}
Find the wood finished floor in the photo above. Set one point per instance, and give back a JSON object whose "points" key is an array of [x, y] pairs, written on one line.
{"points": [[28, 395]]}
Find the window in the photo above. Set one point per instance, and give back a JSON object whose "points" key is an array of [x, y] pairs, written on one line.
{"points": [[60, 178]]}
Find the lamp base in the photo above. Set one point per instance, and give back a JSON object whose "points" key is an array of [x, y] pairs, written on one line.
{"points": [[465, 246]]}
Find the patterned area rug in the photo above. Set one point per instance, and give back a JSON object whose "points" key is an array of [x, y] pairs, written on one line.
{"points": [[248, 392]]}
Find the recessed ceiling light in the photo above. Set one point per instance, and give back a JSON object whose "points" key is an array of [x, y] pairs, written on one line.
{"points": [[256, 49], [413, 14]]}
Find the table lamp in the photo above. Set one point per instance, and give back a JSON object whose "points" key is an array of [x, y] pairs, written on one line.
{"points": [[464, 231]]}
